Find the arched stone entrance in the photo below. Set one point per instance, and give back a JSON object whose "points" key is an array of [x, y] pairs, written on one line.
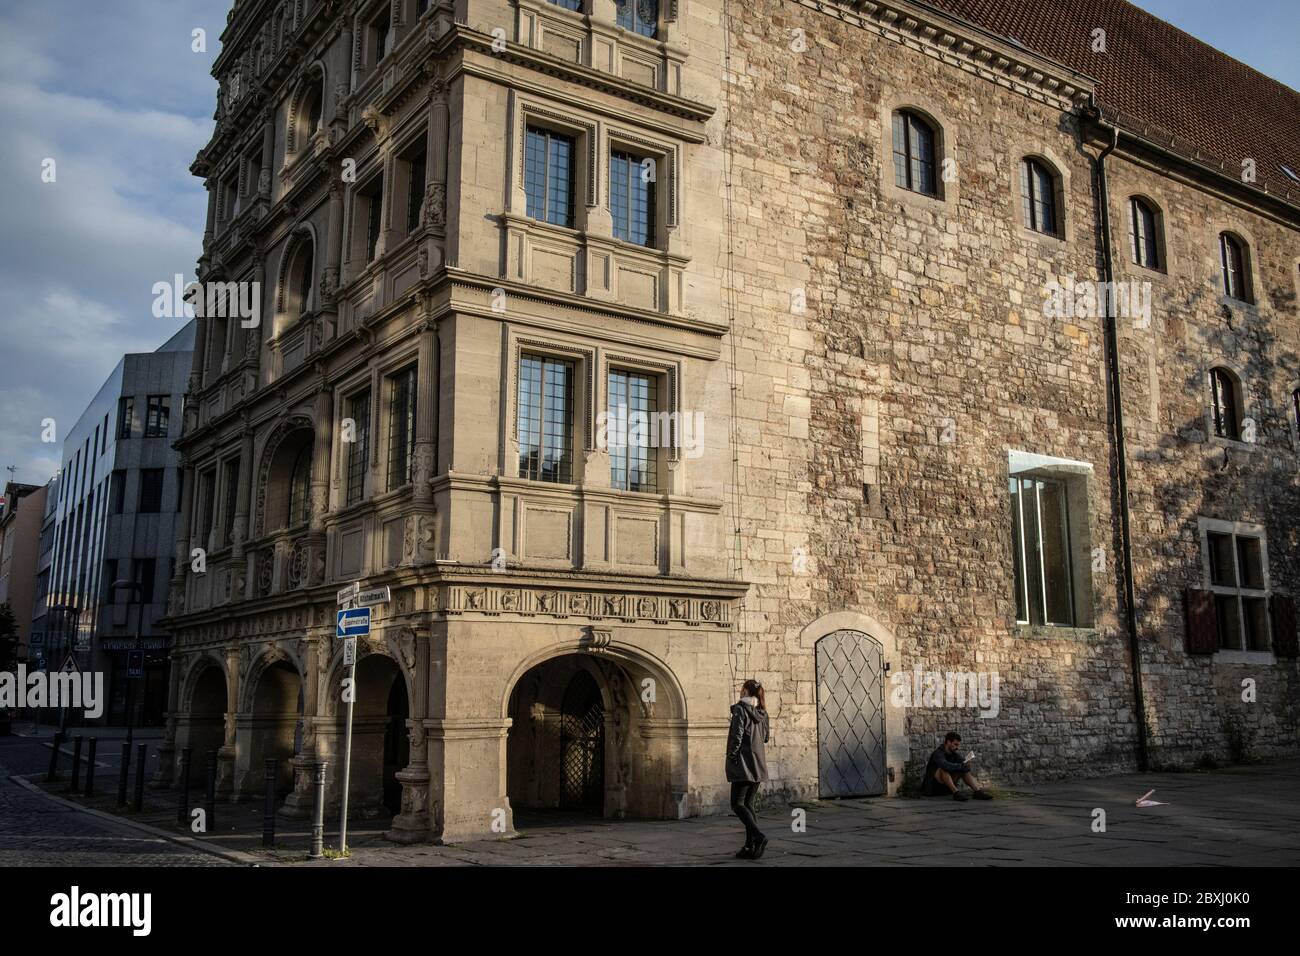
{"points": [[271, 729], [205, 728], [380, 738], [592, 734]]}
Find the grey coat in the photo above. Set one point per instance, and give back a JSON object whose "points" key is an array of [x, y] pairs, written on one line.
{"points": [[746, 761]]}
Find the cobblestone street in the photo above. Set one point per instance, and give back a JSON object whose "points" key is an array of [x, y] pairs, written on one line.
{"points": [[1240, 816], [38, 831]]}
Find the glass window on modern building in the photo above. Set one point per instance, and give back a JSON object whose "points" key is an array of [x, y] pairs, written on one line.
{"points": [[157, 415], [125, 416], [151, 490]]}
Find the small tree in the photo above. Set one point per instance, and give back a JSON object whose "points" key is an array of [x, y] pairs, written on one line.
{"points": [[8, 638]]}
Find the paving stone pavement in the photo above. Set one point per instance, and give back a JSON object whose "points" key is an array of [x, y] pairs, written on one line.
{"points": [[1240, 816], [38, 831]]}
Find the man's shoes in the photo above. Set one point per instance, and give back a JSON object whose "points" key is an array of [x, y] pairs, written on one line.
{"points": [[759, 847], [959, 796], [983, 795], [745, 852]]}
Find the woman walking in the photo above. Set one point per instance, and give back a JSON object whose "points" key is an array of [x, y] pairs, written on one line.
{"points": [[746, 763]]}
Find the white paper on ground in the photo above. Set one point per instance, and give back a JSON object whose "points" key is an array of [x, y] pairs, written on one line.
{"points": [[1142, 801]]}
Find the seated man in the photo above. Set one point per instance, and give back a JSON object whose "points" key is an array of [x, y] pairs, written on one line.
{"points": [[946, 768]]}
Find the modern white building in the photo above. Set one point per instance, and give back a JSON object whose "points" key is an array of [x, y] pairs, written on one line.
{"points": [[114, 517]]}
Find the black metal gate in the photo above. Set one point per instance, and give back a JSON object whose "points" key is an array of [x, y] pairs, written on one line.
{"points": [[850, 715], [582, 746]]}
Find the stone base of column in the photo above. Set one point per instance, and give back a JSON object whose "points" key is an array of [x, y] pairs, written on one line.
{"points": [[165, 776], [460, 828], [300, 803], [414, 824]]}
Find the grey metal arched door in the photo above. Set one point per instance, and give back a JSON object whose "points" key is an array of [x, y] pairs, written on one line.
{"points": [[850, 715]]}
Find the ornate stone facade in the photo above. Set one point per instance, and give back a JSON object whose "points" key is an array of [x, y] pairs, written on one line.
{"points": [[864, 367]]}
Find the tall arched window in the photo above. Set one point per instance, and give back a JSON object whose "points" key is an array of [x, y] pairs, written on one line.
{"points": [[1225, 404], [304, 279], [639, 16], [299, 504], [1232, 264], [298, 280], [1144, 233], [914, 148], [1038, 197]]}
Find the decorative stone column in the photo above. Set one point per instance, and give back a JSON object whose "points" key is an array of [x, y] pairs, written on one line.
{"points": [[245, 573], [320, 483], [330, 278], [414, 824], [226, 755], [298, 805]]}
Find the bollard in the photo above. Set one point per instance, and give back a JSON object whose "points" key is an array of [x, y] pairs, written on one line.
{"points": [[76, 763], [53, 772], [183, 788], [318, 816], [90, 767], [268, 810], [210, 793], [123, 774], [142, 753]]}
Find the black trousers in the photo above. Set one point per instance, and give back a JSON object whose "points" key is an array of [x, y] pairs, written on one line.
{"points": [[742, 805]]}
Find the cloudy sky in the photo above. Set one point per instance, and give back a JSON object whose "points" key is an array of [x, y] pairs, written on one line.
{"points": [[113, 92]]}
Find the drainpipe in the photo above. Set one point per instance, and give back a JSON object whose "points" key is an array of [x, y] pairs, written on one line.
{"points": [[1093, 114]]}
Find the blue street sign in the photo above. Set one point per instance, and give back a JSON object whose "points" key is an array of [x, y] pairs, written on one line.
{"points": [[135, 663], [353, 622]]}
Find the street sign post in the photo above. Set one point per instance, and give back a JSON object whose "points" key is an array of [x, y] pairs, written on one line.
{"points": [[353, 621]]}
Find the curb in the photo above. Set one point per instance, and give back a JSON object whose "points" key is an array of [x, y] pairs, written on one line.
{"points": [[234, 856]]}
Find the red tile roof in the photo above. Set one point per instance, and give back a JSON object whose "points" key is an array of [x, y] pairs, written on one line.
{"points": [[1160, 80]]}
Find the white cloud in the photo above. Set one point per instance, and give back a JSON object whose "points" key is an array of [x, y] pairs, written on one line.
{"points": [[113, 93]]}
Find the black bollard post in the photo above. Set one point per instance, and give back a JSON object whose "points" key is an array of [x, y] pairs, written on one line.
{"points": [[90, 767], [123, 775], [183, 788], [210, 793], [141, 755], [318, 816], [53, 773], [268, 810], [76, 763]]}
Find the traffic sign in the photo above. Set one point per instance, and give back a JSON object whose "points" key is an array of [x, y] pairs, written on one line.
{"points": [[348, 593], [369, 596], [349, 651], [353, 622], [135, 663], [70, 665]]}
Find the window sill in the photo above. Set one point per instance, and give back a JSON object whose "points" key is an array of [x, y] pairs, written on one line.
{"points": [[1235, 443], [1244, 657], [1054, 631]]}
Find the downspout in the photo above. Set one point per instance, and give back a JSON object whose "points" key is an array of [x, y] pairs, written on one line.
{"points": [[1093, 114]]}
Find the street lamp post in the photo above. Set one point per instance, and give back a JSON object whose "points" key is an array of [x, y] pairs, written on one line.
{"points": [[136, 589]]}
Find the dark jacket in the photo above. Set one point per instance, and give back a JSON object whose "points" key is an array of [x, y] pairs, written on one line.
{"points": [[746, 761], [940, 760]]}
